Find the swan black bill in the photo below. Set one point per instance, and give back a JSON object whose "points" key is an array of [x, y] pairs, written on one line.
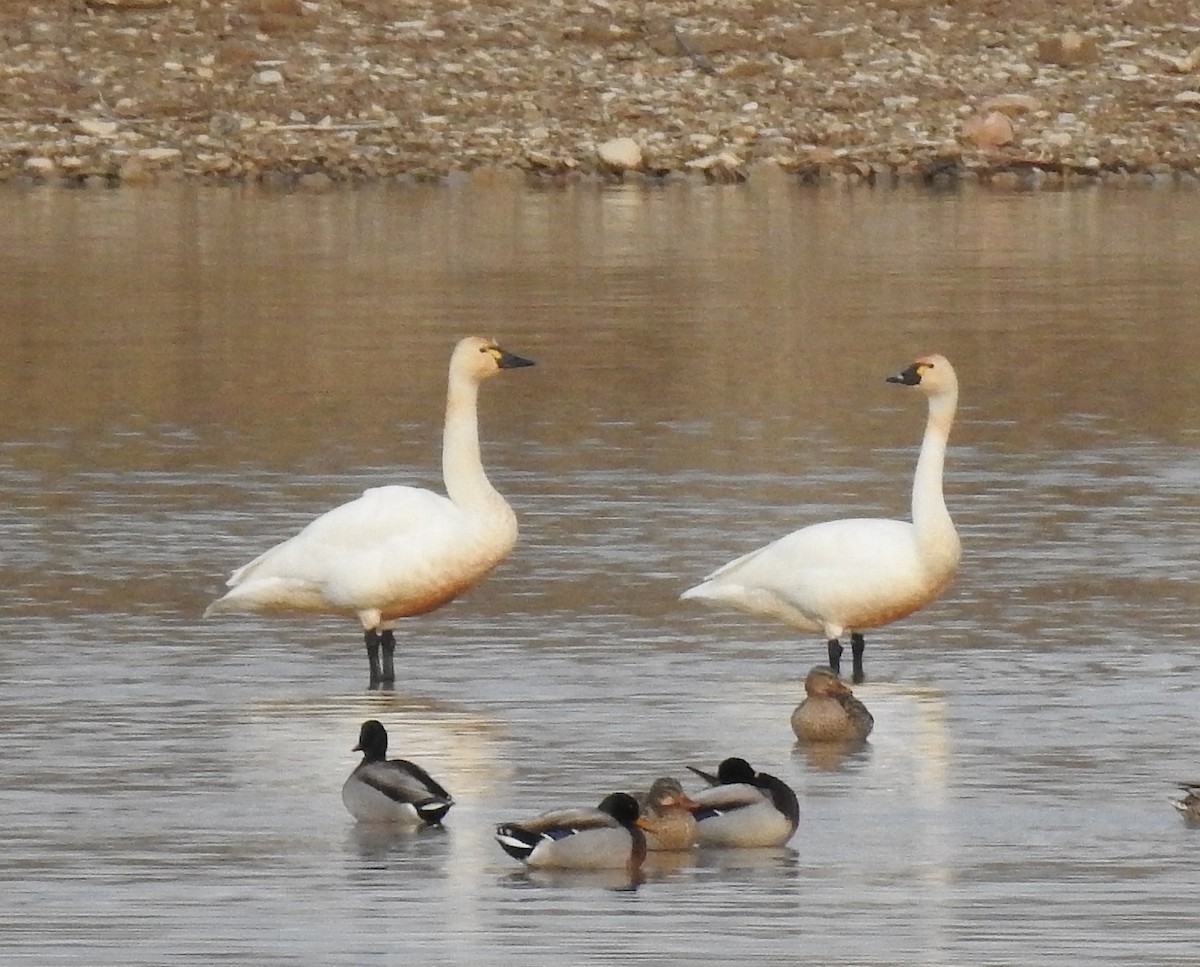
{"points": [[910, 376], [509, 360]]}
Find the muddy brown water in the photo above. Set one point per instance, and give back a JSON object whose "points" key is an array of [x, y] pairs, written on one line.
{"points": [[190, 375]]}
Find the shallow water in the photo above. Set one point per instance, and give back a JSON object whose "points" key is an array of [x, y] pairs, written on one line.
{"points": [[192, 375]]}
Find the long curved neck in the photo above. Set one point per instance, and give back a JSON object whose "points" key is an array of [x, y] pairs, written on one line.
{"points": [[462, 467], [930, 516]]}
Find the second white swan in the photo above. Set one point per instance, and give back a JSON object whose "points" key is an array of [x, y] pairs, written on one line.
{"points": [[858, 573]]}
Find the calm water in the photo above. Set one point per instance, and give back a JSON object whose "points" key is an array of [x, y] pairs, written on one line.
{"points": [[189, 376]]}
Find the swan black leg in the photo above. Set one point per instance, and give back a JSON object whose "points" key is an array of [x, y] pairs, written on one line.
{"points": [[388, 640], [858, 644], [372, 638], [835, 655]]}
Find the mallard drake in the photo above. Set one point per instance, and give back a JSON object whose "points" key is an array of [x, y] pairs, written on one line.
{"points": [[742, 807], [666, 816], [382, 790], [395, 551], [602, 838], [1189, 804], [844, 576], [830, 712]]}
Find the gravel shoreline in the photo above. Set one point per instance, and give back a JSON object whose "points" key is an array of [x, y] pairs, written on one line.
{"points": [[1015, 93]]}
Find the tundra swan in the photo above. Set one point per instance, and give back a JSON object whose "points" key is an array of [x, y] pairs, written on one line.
{"points": [[744, 808], [604, 838], [830, 712], [395, 551], [849, 575], [383, 790]]}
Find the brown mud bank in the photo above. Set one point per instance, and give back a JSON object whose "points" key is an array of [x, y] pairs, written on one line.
{"points": [[1018, 93]]}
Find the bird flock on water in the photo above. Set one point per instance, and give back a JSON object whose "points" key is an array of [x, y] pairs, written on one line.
{"points": [[396, 552]]}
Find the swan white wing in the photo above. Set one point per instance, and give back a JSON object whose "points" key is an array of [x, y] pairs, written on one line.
{"points": [[852, 544], [827, 574], [380, 516], [392, 552]]}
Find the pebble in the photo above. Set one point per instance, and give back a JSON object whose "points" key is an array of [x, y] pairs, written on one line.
{"points": [[1070, 49], [160, 154], [1011, 104], [991, 130], [620, 154], [97, 129]]}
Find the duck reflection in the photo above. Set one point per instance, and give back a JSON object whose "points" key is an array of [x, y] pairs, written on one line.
{"points": [[375, 843], [833, 756], [616, 880]]}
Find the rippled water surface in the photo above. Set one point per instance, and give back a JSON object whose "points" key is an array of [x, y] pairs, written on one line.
{"points": [[190, 376]]}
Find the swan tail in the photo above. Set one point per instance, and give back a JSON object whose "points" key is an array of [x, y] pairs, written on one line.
{"points": [[267, 596]]}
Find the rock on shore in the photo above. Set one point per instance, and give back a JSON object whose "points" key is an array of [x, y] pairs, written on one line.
{"points": [[875, 91]]}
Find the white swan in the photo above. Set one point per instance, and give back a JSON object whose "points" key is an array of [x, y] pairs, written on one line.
{"points": [[854, 574], [395, 551]]}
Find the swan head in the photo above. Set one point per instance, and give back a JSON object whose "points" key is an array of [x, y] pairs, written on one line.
{"points": [[824, 681], [932, 375], [477, 358]]}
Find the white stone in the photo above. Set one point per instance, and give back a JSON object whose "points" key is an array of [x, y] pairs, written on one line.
{"points": [[160, 154], [39, 165], [723, 159], [624, 154], [97, 129], [268, 77], [1187, 97]]}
